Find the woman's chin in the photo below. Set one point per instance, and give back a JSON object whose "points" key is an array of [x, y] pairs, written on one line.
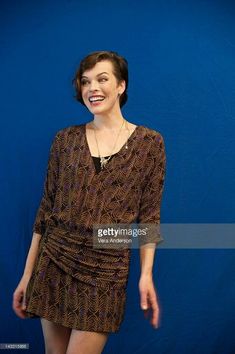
{"points": [[96, 110]]}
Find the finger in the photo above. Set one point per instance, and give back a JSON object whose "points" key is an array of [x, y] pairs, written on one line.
{"points": [[24, 303], [155, 311], [17, 301], [17, 304], [17, 311], [144, 302], [20, 313], [147, 312], [155, 317], [155, 314]]}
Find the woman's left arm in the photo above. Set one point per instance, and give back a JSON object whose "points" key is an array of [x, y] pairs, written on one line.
{"points": [[148, 297], [149, 214]]}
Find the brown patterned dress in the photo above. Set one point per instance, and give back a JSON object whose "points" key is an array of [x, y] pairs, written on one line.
{"points": [[73, 283]]}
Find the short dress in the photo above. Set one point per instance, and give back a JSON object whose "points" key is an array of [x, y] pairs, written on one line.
{"points": [[72, 283]]}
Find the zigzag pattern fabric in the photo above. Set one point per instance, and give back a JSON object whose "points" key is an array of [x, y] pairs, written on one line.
{"points": [[73, 283]]}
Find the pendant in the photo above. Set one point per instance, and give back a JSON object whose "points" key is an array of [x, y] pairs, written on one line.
{"points": [[103, 161]]}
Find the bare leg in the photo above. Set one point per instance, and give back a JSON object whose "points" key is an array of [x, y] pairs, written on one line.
{"points": [[56, 337], [85, 342]]}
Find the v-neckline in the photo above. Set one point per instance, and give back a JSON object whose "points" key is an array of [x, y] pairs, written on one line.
{"points": [[117, 154]]}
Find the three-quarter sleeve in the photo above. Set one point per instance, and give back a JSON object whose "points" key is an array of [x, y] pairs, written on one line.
{"points": [[49, 189], [150, 203]]}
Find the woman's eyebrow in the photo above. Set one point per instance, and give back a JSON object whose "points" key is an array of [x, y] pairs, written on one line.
{"points": [[104, 72]]}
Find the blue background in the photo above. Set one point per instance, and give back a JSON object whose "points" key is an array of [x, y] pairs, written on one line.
{"points": [[182, 84]]}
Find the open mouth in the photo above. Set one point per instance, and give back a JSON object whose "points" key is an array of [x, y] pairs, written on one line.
{"points": [[96, 100]]}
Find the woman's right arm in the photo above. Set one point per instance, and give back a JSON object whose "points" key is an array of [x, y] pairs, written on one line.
{"points": [[19, 293], [32, 255], [39, 227]]}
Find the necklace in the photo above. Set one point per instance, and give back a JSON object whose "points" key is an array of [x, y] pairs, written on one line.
{"points": [[104, 160]]}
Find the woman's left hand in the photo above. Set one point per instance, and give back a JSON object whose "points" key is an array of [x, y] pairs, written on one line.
{"points": [[148, 299]]}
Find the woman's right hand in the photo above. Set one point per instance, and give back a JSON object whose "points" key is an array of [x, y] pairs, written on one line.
{"points": [[18, 303]]}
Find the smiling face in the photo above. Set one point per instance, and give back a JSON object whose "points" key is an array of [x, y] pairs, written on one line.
{"points": [[100, 89]]}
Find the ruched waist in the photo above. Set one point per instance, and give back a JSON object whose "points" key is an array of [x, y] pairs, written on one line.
{"points": [[72, 250]]}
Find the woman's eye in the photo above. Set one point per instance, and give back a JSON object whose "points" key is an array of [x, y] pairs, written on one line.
{"points": [[104, 79], [84, 82]]}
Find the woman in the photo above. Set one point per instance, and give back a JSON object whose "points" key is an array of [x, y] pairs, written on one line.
{"points": [[106, 171]]}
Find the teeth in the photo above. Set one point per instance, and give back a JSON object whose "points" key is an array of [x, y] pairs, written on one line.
{"points": [[93, 99]]}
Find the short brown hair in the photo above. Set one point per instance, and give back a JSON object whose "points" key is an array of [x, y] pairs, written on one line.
{"points": [[120, 71]]}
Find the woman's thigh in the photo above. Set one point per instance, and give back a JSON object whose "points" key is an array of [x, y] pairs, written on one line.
{"points": [[56, 337], [86, 342]]}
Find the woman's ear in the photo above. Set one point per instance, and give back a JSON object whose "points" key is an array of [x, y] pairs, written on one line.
{"points": [[122, 87]]}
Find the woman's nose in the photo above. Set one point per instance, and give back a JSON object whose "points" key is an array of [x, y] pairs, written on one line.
{"points": [[93, 86]]}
